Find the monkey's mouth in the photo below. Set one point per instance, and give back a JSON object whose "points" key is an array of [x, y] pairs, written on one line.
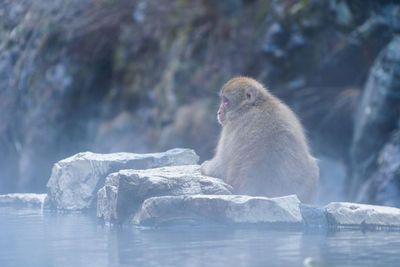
{"points": [[220, 117]]}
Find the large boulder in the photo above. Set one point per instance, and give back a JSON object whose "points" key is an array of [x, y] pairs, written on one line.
{"points": [[75, 181], [361, 215], [125, 191], [383, 187], [378, 114], [227, 209]]}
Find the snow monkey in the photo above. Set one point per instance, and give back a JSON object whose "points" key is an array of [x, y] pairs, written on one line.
{"points": [[262, 150]]}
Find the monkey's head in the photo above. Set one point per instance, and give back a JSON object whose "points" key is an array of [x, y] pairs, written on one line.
{"points": [[238, 96]]}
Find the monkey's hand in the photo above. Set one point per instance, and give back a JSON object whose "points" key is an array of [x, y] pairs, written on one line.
{"points": [[210, 168], [205, 167]]}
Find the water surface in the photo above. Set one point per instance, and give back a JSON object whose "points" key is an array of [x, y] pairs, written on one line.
{"points": [[32, 238]]}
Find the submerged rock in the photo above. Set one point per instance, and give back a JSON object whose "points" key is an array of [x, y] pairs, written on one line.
{"points": [[23, 200], [125, 191], [313, 216], [231, 209], [362, 215], [75, 181]]}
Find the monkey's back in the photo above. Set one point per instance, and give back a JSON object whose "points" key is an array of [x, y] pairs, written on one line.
{"points": [[269, 155]]}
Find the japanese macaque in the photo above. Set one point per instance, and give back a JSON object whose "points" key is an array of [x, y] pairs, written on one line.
{"points": [[262, 150]]}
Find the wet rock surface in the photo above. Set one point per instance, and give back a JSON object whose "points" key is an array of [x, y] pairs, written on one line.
{"points": [[125, 191], [314, 217], [75, 181]]}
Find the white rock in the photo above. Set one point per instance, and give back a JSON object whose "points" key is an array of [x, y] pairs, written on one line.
{"points": [[229, 209], [125, 191], [353, 214], [75, 181], [23, 200]]}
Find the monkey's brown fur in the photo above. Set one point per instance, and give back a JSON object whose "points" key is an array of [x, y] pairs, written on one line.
{"points": [[262, 150]]}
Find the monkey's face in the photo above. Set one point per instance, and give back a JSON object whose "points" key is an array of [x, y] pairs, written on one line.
{"points": [[222, 109], [238, 96], [233, 102]]}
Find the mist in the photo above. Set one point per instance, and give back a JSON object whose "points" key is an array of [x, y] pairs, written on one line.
{"points": [[144, 76]]}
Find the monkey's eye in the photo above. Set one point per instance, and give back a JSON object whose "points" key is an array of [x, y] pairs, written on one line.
{"points": [[224, 100]]}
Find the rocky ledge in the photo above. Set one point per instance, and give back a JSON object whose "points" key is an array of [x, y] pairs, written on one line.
{"points": [[74, 181], [168, 189], [125, 191]]}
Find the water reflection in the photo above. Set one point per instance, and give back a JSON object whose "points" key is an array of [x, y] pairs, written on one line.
{"points": [[30, 238], [207, 246]]}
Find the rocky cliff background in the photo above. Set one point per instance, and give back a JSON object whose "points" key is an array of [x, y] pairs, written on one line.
{"points": [[143, 76]]}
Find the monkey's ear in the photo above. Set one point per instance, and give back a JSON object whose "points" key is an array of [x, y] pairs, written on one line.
{"points": [[250, 95]]}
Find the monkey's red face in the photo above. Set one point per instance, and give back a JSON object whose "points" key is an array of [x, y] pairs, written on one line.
{"points": [[222, 110]]}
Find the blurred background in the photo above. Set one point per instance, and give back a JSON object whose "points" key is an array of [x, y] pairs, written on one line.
{"points": [[144, 76]]}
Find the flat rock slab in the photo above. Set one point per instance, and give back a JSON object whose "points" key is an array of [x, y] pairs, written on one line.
{"points": [[227, 209], [23, 200], [361, 215], [74, 181], [125, 191]]}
